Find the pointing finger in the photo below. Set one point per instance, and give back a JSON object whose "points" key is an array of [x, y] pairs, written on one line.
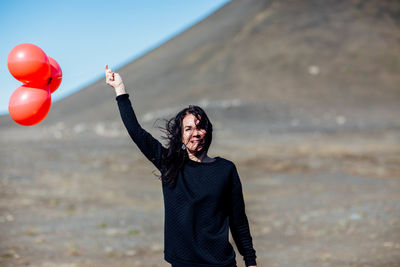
{"points": [[108, 70]]}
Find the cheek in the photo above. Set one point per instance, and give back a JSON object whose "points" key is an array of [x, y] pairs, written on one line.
{"points": [[185, 137]]}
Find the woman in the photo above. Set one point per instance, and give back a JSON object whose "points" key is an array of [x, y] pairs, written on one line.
{"points": [[202, 195]]}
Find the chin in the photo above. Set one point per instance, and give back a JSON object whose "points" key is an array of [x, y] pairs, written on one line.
{"points": [[196, 150], [199, 151]]}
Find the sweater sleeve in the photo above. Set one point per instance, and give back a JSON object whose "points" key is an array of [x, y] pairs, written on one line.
{"points": [[238, 222], [150, 147]]}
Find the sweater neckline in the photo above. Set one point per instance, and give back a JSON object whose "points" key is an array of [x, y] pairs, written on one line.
{"points": [[196, 163]]}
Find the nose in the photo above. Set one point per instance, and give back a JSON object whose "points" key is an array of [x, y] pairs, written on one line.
{"points": [[196, 133]]}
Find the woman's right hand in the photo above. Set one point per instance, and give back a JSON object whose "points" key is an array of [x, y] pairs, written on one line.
{"points": [[114, 79]]}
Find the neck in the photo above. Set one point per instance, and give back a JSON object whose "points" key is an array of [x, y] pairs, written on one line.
{"points": [[197, 157]]}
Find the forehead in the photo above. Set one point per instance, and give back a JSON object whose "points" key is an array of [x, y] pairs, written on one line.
{"points": [[190, 120]]}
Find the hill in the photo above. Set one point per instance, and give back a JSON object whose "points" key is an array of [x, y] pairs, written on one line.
{"points": [[279, 62]]}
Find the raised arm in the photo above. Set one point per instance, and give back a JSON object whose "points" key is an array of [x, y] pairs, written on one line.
{"points": [[150, 147], [238, 222]]}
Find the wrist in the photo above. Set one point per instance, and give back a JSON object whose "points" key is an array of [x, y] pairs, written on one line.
{"points": [[120, 90]]}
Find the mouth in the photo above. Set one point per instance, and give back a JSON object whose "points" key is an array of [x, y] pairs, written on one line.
{"points": [[197, 144]]}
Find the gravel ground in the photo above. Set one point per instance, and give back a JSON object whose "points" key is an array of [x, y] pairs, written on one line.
{"points": [[312, 199]]}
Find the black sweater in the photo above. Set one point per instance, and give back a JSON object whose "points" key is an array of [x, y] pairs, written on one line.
{"points": [[200, 207]]}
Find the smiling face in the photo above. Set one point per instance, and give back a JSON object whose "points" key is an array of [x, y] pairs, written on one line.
{"points": [[192, 136]]}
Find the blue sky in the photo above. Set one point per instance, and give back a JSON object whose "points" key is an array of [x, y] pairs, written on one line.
{"points": [[82, 36]]}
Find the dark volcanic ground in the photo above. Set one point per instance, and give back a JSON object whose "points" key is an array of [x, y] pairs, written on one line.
{"points": [[304, 98]]}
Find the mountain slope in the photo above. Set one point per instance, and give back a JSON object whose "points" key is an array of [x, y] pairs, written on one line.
{"points": [[274, 56]]}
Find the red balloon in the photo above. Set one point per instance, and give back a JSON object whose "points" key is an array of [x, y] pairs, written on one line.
{"points": [[56, 75], [28, 105], [29, 64]]}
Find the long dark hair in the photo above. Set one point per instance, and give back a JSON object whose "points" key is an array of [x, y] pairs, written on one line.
{"points": [[176, 156]]}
